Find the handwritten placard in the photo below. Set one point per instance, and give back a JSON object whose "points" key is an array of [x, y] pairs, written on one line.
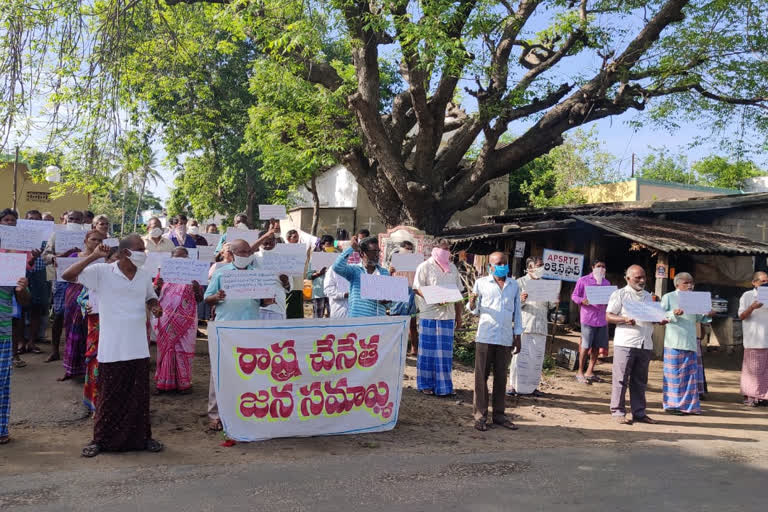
{"points": [[63, 264], [376, 287], [320, 260], [248, 284], [406, 262], [15, 239], [42, 228], [440, 294], [272, 211], [111, 242], [191, 252], [695, 303], [206, 253], [762, 294], [13, 266], [249, 235], [288, 259], [66, 240], [542, 290], [212, 238], [184, 271], [643, 311], [599, 294], [155, 260]]}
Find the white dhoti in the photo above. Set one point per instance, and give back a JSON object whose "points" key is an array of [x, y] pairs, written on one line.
{"points": [[525, 370], [266, 314]]}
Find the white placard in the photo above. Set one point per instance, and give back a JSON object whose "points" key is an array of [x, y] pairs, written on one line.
{"points": [[206, 253], [66, 240], [695, 303], [111, 242], [15, 239], [248, 284], [320, 260], [155, 260], [288, 259], [63, 264], [440, 294], [644, 311], [13, 266], [191, 252], [212, 238], [762, 295], [599, 294], [376, 287], [519, 248], [308, 377], [272, 211], [184, 271], [542, 290], [406, 261], [43, 228], [565, 266], [249, 235]]}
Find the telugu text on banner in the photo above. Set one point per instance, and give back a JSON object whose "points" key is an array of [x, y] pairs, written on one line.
{"points": [[308, 377]]}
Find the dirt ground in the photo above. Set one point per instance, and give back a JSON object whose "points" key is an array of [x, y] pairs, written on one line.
{"points": [[49, 425]]}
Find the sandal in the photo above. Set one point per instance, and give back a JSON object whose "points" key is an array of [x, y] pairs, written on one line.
{"points": [[622, 420], [481, 426], [646, 419], [595, 378], [583, 380], [674, 412], [91, 450], [34, 349], [18, 362], [215, 426], [154, 446], [53, 357], [506, 424], [5, 440], [427, 392]]}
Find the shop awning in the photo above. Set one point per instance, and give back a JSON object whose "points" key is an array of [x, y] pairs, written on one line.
{"points": [[670, 236]]}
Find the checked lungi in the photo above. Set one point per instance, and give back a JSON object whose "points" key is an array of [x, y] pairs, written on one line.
{"points": [[6, 356], [59, 296], [754, 373], [435, 358], [681, 387]]}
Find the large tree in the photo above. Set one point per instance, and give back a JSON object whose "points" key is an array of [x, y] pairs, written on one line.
{"points": [[469, 68]]}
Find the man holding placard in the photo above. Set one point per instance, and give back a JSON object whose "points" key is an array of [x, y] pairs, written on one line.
{"points": [[681, 368], [594, 327], [496, 300], [754, 317], [437, 321], [525, 370], [7, 294], [369, 253], [229, 309], [632, 346]]}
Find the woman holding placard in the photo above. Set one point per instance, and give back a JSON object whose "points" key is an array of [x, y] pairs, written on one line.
{"points": [[176, 332], [681, 368]]}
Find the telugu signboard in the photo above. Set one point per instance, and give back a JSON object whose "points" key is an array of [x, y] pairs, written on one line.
{"points": [[565, 266], [308, 377]]}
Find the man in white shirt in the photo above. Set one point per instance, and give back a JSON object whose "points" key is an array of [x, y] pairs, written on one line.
{"points": [[632, 349], [121, 422], [754, 369], [337, 290], [496, 300], [437, 322]]}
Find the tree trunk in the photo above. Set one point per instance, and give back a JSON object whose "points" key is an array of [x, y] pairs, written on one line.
{"points": [[122, 209], [250, 193], [138, 203], [315, 205]]}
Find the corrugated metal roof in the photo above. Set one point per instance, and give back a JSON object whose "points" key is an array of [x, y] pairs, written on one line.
{"points": [[669, 236]]}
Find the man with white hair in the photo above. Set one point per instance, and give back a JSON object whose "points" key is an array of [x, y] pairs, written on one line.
{"points": [[754, 369], [632, 349], [681, 367]]}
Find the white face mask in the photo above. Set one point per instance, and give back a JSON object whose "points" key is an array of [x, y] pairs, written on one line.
{"points": [[242, 261], [156, 232], [138, 258], [241, 226], [537, 272], [193, 230], [598, 273], [181, 230]]}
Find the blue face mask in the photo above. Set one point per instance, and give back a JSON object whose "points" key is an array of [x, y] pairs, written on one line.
{"points": [[501, 270]]}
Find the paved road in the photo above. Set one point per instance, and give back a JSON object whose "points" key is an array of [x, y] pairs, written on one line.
{"points": [[574, 480]]}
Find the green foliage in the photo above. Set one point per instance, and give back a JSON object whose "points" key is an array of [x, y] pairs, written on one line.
{"points": [[554, 179], [109, 203], [662, 165], [717, 171]]}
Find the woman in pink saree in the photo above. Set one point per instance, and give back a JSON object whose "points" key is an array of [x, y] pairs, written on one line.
{"points": [[176, 332]]}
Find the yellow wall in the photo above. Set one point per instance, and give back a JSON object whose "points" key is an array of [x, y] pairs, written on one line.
{"points": [[611, 192], [32, 196], [650, 192]]}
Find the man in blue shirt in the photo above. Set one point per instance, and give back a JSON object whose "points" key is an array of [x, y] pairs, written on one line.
{"points": [[369, 252], [229, 309], [496, 299]]}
